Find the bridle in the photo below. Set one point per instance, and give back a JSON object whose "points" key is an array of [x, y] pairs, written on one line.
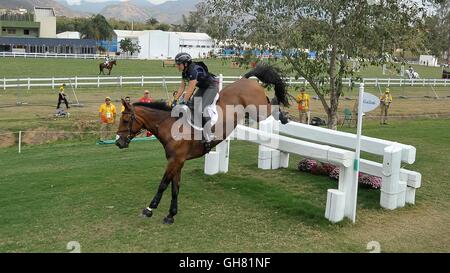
{"points": [[131, 134]]}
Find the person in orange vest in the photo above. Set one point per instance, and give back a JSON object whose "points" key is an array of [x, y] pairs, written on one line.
{"points": [[303, 101], [385, 103]]}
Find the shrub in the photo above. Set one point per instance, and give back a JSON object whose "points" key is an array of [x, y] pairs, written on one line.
{"points": [[314, 167]]}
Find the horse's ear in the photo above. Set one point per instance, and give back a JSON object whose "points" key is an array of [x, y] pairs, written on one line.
{"points": [[125, 104]]}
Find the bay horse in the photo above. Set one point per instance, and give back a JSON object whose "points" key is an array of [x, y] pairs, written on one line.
{"points": [[109, 67], [156, 117]]}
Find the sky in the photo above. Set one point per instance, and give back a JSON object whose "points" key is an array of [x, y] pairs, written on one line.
{"points": [[77, 2]]}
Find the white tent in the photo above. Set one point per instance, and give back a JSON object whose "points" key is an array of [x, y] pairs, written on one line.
{"points": [[157, 44], [69, 35]]}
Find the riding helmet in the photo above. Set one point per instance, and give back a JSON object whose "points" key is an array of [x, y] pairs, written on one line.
{"points": [[183, 58]]}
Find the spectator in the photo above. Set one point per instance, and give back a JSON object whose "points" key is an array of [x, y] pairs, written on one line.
{"points": [[385, 103], [107, 115], [127, 100], [303, 101], [62, 97], [146, 98]]}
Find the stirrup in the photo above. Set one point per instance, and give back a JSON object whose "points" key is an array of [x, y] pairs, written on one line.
{"points": [[207, 146]]}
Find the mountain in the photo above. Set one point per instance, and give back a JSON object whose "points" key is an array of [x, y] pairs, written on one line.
{"points": [[138, 10], [60, 8], [172, 11], [169, 12], [126, 11]]}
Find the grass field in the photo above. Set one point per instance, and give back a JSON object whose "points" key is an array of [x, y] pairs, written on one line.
{"points": [[41, 104], [77, 191], [21, 67], [73, 190]]}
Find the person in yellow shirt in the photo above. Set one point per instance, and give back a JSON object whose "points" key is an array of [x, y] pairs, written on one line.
{"points": [[62, 97], [303, 101], [107, 115], [385, 103]]}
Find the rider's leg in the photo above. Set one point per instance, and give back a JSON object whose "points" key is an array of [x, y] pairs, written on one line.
{"points": [[208, 98]]}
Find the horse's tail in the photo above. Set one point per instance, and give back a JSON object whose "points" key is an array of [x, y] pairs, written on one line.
{"points": [[270, 75]]}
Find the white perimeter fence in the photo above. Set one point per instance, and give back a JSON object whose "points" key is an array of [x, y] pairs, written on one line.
{"points": [[100, 81]]}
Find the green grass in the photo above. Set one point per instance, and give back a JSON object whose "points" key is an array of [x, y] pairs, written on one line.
{"points": [[21, 67], [78, 191]]}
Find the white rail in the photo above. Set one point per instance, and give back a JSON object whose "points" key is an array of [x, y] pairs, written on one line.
{"points": [[60, 55], [98, 81]]}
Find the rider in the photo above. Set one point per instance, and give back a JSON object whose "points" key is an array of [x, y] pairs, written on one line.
{"points": [[107, 60], [195, 75]]}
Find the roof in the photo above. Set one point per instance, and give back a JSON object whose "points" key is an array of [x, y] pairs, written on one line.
{"points": [[68, 35], [193, 36], [128, 33], [181, 35], [46, 41], [44, 12]]}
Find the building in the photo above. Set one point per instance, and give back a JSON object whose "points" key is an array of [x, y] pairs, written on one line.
{"points": [[158, 44], [69, 35], [48, 45], [46, 17], [428, 60], [18, 25], [36, 33]]}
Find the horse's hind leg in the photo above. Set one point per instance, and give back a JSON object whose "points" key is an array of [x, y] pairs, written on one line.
{"points": [[148, 212], [172, 169], [174, 203]]}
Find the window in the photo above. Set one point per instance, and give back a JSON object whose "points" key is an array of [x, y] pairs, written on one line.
{"points": [[26, 32], [11, 31]]}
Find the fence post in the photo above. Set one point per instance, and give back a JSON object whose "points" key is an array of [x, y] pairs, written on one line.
{"points": [[28, 83], [76, 82], [142, 81], [4, 83], [98, 81], [20, 141], [120, 80]]}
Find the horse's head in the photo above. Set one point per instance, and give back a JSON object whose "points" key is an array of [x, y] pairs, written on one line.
{"points": [[129, 126], [113, 62]]}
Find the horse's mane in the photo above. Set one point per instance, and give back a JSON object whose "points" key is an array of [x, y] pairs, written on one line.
{"points": [[158, 105]]}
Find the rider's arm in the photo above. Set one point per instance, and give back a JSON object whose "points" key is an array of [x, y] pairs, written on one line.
{"points": [[180, 90], [190, 90]]}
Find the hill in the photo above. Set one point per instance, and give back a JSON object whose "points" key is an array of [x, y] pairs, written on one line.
{"points": [[60, 8]]}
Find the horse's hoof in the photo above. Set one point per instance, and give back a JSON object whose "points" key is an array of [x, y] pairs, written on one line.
{"points": [[168, 221], [147, 212]]}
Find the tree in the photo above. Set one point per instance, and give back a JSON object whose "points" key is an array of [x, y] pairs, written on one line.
{"points": [[437, 30], [340, 32], [152, 21], [98, 28], [194, 22], [163, 27], [126, 45]]}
